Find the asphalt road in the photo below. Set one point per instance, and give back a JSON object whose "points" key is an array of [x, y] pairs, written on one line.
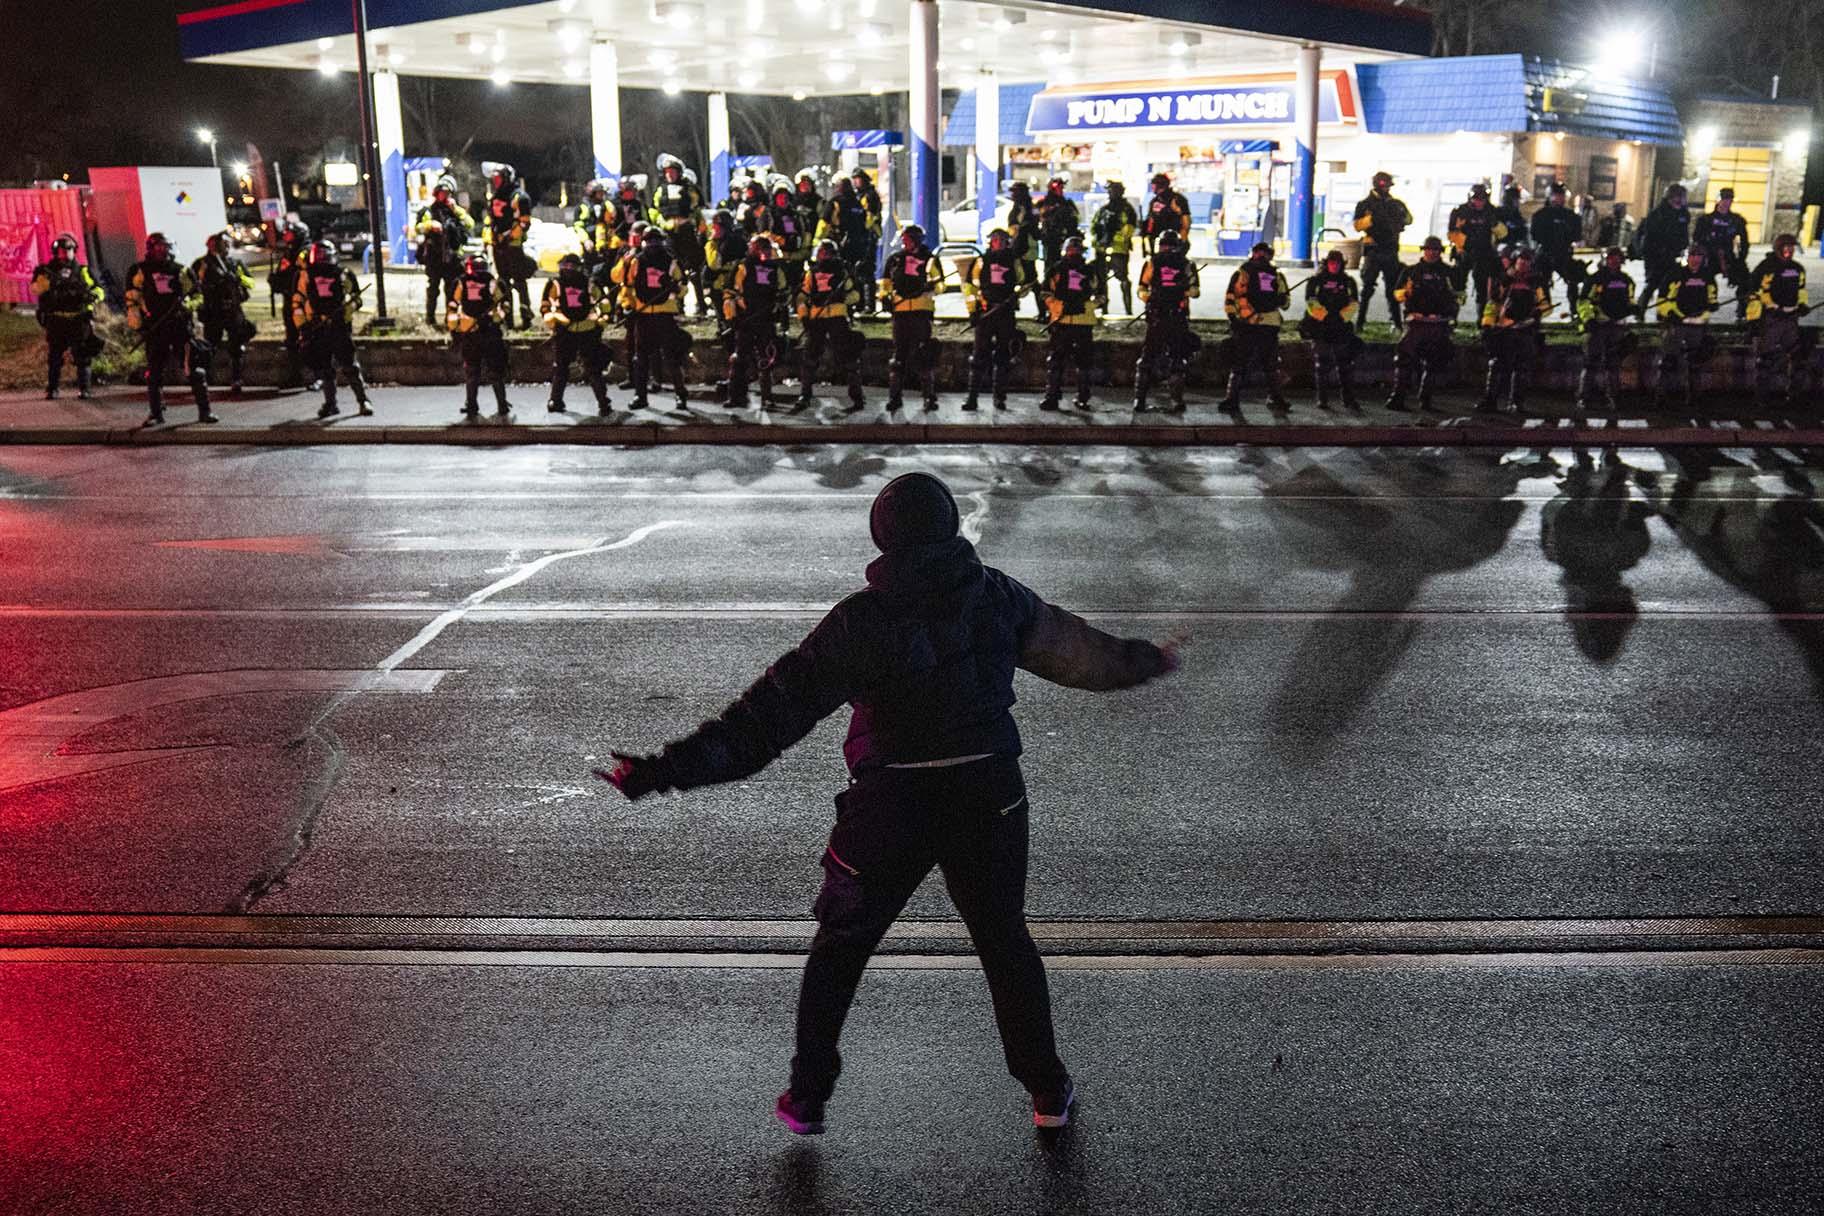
{"points": [[1422, 686]]}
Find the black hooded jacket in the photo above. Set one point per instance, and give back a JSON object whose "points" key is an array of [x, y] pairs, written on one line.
{"points": [[925, 656]]}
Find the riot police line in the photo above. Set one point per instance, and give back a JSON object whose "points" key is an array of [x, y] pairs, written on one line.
{"points": [[780, 251]]}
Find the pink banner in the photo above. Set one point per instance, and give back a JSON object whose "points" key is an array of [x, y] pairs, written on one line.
{"points": [[29, 221]]}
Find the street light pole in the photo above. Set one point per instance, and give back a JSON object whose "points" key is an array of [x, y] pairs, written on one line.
{"points": [[370, 165], [208, 137]]}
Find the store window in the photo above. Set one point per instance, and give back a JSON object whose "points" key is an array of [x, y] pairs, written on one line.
{"points": [[1750, 172]]}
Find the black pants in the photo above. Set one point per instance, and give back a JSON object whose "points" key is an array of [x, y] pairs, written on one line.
{"points": [[1379, 265], [1163, 351], [514, 266], [439, 280], [1511, 355], [484, 356], [221, 330], [992, 351], [1563, 266], [1602, 356], [892, 827], [1423, 357], [167, 346], [1254, 346], [913, 355], [755, 346], [1776, 353], [834, 335], [67, 334], [568, 347], [1115, 268], [1333, 358], [655, 342], [327, 346], [1072, 346], [294, 354], [687, 248], [1660, 267], [1480, 267], [1678, 348]]}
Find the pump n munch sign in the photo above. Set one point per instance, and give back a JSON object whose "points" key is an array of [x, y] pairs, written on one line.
{"points": [[1254, 102]]}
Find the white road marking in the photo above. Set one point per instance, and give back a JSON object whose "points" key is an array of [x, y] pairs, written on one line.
{"points": [[32, 736], [972, 523], [710, 961]]}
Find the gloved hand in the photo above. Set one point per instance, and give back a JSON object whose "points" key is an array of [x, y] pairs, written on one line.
{"points": [[635, 776]]}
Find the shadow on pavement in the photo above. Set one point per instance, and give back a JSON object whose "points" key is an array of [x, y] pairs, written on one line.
{"points": [[1594, 531], [1348, 512]]}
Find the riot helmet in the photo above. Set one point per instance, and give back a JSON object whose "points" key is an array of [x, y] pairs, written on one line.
{"points": [[159, 247], [63, 249]]}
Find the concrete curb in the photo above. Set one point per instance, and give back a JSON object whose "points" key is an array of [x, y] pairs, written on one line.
{"points": [[1453, 433]]}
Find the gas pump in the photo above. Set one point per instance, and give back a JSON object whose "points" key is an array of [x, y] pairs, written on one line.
{"points": [[1247, 196]]}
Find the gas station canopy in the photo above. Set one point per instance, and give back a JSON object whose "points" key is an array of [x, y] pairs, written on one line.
{"points": [[789, 47]]}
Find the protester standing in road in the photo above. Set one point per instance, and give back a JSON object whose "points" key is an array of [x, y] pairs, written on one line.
{"points": [[925, 655]]}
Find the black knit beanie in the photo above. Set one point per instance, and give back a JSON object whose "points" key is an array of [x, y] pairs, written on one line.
{"points": [[916, 509]]}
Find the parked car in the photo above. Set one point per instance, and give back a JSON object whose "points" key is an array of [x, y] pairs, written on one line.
{"points": [[957, 226], [349, 231]]}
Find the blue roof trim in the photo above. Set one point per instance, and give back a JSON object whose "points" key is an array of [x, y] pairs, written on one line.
{"points": [[1373, 24], [1507, 93], [1614, 107], [1016, 100], [305, 20], [1439, 96]]}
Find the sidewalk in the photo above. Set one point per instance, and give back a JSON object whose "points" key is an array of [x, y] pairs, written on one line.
{"points": [[432, 415]]}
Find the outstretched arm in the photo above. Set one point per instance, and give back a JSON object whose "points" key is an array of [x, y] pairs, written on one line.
{"points": [[805, 686], [1064, 648]]}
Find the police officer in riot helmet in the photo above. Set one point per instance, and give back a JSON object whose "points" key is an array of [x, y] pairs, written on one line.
{"points": [[508, 223], [1724, 235], [282, 280], [1112, 233], [1070, 300], [323, 305], [1023, 222], [1431, 295], [160, 290], [224, 286], [1687, 298], [751, 310], [1332, 302], [1476, 236], [1168, 283], [1255, 302], [829, 294], [1557, 230], [1380, 218], [476, 313], [1777, 301], [1518, 301], [1058, 218], [677, 208], [443, 229], [996, 281], [908, 286], [1660, 242], [1604, 309], [67, 297], [653, 281], [575, 309]]}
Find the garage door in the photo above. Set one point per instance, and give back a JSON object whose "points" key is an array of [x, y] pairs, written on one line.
{"points": [[1750, 172]]}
